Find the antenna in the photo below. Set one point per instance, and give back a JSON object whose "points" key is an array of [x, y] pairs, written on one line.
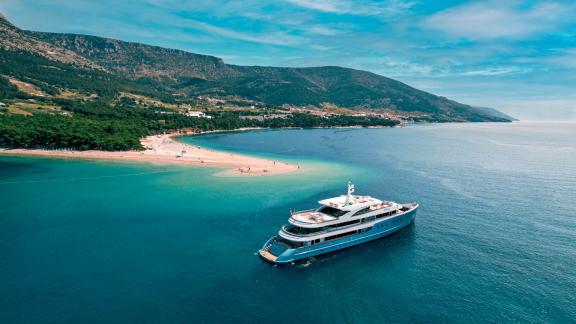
{"points": [[350, 192]]}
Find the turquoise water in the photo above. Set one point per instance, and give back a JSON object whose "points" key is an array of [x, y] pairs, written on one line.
{"points": [[494, 240]]}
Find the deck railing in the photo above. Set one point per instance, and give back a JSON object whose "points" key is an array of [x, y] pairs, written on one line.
{"points": [[366, 220], [319, 232], [296, 212]]}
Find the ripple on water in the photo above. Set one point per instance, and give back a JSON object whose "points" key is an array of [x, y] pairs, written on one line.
{"points": [[493, 239]]}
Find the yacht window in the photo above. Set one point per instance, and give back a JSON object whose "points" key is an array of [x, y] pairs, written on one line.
{"points": [[362, 211], [332, 211], [341, 235], [344, 224], [301, 230], [386, 214], [288, 244], [368, 219]]}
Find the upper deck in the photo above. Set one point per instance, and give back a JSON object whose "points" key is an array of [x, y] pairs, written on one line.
{"points": [[298, 233], [338, 209], [312, 216], [351, 202]]}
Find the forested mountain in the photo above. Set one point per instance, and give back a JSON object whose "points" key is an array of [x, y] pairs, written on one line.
{"points": [[494, 112], [86, 92], [175, 74]]}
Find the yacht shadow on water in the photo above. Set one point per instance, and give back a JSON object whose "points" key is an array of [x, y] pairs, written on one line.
{"points": [[379, 249]]}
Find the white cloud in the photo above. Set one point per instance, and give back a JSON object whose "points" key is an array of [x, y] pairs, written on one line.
{"points": [[400, 67], [321, 30], [490, 20], [566, 58], [540, 109], [272, 38], [323, 5], [353, 7], [556, 58], [497, 71]]}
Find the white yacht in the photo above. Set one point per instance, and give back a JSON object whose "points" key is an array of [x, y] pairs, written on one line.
{"points": [[339, 222]]}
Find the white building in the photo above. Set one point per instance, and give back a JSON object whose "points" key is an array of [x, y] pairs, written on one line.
{"points": [[198, 114]]}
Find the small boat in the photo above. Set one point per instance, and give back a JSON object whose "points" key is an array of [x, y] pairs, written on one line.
{"points": [[339, 222]]}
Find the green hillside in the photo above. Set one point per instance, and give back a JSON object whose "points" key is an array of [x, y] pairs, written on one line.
{"points": [[86, 92], [191, 75]]}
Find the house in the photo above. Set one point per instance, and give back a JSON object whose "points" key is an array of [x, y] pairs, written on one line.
{"points": [[198, 114], [264, 117]]}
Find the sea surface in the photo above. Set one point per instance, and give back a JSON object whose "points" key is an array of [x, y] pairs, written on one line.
{"points": [[494, 239]]}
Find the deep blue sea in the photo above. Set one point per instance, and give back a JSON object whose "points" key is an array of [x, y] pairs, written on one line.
{"points": [[494, 239]]}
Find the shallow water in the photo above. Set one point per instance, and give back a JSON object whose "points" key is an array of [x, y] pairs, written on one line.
{"points": [[119, 242]]}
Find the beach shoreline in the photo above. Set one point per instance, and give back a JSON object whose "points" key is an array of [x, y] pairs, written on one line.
{"points": [[165, 149]]}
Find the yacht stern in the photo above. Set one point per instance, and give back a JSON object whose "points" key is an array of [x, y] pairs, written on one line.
{"points": [[273, 251]]}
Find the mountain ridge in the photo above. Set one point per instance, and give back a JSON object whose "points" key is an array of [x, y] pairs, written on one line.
{"points": [[12, 38], [186, 76]]}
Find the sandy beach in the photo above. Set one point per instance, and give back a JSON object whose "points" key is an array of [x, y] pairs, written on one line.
{"points": [[164, 149]]}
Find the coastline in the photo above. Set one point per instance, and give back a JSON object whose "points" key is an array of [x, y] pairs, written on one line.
{"points": [[165, 149]]}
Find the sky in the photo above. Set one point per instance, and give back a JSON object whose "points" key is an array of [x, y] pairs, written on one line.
{"points": [[516, 56]]}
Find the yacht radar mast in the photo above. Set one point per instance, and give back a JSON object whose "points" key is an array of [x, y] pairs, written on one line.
{"points": [[350, 192]]}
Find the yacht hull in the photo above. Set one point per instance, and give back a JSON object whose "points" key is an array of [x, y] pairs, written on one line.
{"points": [[379, 229]]}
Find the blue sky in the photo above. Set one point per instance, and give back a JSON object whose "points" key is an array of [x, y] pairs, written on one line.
{"points": [[518, 56]]}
